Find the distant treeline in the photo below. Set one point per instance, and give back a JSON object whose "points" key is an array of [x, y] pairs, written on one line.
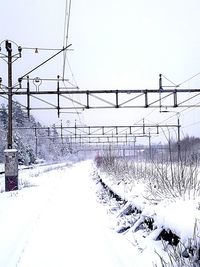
{"points": [[31, 145]]}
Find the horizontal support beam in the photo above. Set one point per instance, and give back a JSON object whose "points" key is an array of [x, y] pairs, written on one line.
{"points": [[91, 99], [91, 92], [107, 127], [108, 130], [83, 138], [103, 142]]}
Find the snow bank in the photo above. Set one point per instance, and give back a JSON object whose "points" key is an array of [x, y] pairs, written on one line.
{"points": [[178, 215]]}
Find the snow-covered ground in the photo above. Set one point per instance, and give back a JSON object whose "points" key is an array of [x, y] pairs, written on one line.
{"points": [[57, 221], [27, 174], [176, 220], [180, 215]]}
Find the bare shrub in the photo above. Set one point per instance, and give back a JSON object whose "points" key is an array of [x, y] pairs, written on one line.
{"points": [[173, 179], [164, 177]]}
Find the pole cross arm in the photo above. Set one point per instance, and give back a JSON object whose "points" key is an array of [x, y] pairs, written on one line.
{"points": [[44, 62]]}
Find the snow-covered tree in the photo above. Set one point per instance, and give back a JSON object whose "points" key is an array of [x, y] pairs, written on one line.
{"points": [[29, 138]]}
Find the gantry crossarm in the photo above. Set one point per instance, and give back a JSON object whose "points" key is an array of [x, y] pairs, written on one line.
{"points": [[91, 99], [107, 130]]}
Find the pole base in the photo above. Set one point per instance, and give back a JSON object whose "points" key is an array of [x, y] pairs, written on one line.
{"points": [[11, 183]]}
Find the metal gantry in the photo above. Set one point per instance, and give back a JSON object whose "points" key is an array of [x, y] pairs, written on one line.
{"points": [[63, 97], [7, 91], [81, 136], [105, 130], [71, 97], [98, 99]]}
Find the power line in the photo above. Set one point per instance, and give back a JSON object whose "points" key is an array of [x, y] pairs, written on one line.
{"points": [[66, 32], [189, 79], [44, 62], [191, 124], [74, 105], [72, 74], [65, 42], [180, 112], [169, 81]]}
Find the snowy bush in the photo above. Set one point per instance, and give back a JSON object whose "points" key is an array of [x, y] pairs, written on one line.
{"points": [[170, 180], [163, 179]]}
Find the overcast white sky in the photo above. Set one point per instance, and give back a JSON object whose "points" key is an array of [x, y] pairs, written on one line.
{"points": [[118, 44]]}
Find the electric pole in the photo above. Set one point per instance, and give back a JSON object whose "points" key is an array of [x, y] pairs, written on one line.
{"points": [[9, 133], [179, 140], [11, 157]]}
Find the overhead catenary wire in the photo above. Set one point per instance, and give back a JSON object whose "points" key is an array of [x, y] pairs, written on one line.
{"points": [[187, 108], [155, 109], [44, 62], [65, 42], [169, 80], [179, 84], [187, 80], [182, 127], [79, 118], [180, 112], [72, 74], [66, 32], [191, 124]]}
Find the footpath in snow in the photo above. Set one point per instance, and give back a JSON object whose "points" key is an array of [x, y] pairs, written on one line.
{"points": [[58, 222]]}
